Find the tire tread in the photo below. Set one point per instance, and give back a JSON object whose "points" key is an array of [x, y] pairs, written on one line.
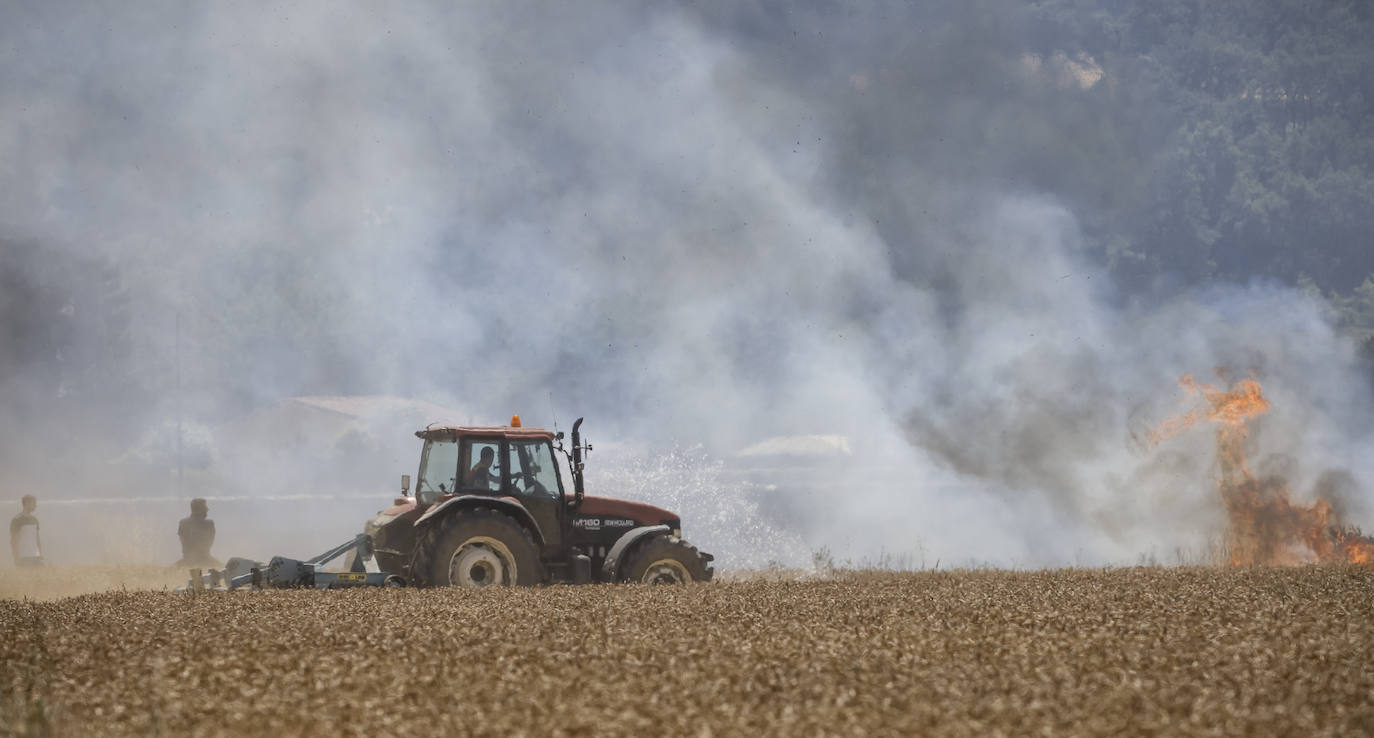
{"points": [[697, 563], [422, 560]]}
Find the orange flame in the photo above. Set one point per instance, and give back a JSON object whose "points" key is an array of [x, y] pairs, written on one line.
{"points": [[1232, 409], [1266, 527]]}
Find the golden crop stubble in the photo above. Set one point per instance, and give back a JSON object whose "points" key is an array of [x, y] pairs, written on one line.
{"points": [[962, 653]]}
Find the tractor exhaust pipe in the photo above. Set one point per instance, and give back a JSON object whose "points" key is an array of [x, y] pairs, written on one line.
{"points": [[578, 489]]}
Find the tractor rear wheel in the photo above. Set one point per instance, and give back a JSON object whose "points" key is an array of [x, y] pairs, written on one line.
{"points": [[668, 560], [477, 548]]}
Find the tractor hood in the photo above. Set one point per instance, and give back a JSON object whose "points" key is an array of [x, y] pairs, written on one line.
{"points": [[592, 506], [641, 512]]}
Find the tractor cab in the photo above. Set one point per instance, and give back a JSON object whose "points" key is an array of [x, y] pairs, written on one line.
{"points": [[503, 461]]}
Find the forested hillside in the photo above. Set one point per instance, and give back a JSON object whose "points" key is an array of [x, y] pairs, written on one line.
{"points": [[1197, 141], [1261, 158]]}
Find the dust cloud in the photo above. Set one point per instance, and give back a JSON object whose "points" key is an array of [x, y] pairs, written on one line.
{"points": [[654, 217]]}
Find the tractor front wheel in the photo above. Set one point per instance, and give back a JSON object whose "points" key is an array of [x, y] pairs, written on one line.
{"points": [[477, 548], [668, 560]]}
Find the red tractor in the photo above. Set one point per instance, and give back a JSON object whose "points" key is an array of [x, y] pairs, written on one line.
{"points": [[490, 509]]}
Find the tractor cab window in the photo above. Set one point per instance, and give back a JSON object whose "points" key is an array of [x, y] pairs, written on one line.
{"points": [[438, 470], [532, 470], [481, 462]]}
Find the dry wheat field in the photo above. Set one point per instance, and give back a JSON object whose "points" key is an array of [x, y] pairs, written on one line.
{"points": [[1203, 651]]}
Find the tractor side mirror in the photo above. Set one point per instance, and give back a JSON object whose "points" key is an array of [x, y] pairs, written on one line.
{"points": [[405, 483], [558, 436]]}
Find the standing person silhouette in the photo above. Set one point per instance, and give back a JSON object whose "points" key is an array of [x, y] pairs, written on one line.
{"points": [[197, 534], [25, 544]]}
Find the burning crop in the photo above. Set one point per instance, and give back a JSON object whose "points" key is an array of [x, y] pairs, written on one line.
{"points": [[1266, 526]]}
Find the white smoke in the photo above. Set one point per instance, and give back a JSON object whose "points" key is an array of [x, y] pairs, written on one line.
{"points": [[632, 216]]}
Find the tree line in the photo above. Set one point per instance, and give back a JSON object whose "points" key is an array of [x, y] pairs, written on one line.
{"points": [[1262, 120]]}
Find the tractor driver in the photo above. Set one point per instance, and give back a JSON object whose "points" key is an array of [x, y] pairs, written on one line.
{"points": [[481, 475]]}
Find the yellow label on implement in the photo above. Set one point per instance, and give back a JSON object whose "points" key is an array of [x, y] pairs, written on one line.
{"points": [[352, 577]]}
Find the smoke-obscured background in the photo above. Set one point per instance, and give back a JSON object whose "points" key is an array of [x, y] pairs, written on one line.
{"points": [[904, 282]]}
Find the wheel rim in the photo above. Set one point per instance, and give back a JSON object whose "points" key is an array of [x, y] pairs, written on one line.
{"points": [[666, 571], [482, 562]]}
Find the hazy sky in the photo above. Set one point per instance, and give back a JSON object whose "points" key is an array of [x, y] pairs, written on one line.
{"points": [[665, 219]]}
